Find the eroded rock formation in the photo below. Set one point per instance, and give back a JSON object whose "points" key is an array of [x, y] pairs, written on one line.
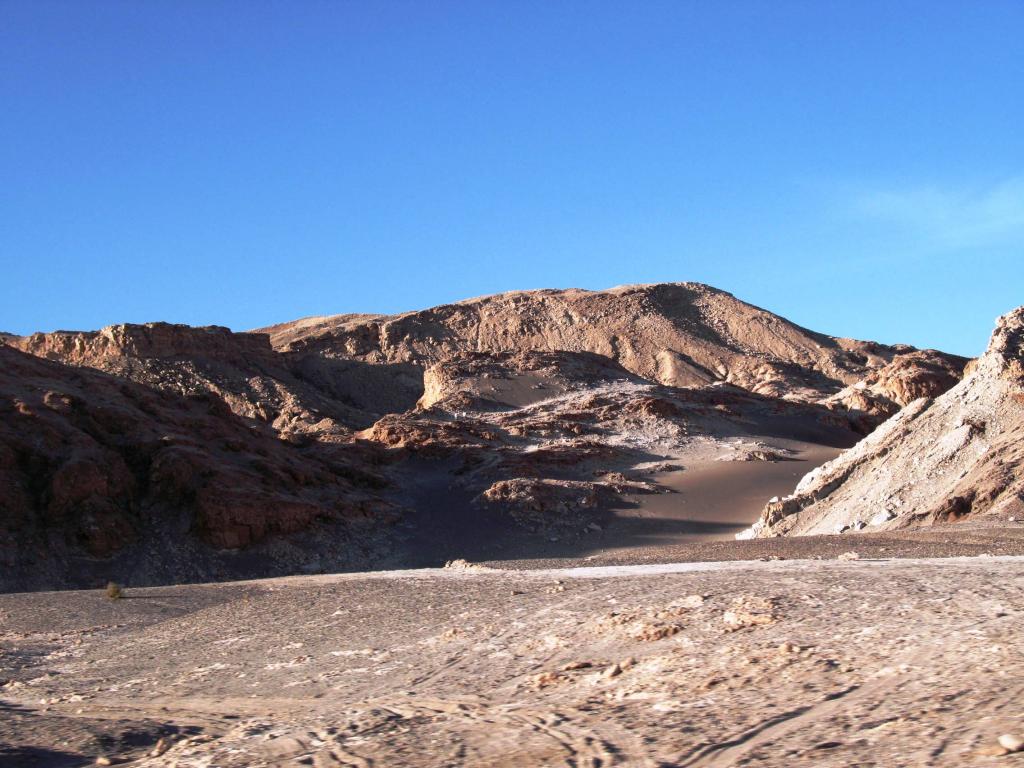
{"points": [[942, 458], [678, 334], [96, 467], [169, 452], [304, 395]]}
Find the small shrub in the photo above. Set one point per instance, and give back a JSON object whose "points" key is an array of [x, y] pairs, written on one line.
{"points": [[114, 591]]}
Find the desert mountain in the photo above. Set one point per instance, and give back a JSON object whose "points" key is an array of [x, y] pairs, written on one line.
{"points": [[677, 334], [530, 422], [328, 375], [940, 459]]}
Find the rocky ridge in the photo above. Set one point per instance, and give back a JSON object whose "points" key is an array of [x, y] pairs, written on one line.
{"points": [[677, 334], [542, 408], [295, 396], [944, 458]]}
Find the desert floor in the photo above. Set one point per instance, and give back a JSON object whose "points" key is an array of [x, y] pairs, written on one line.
{"points": [[881, 660]]}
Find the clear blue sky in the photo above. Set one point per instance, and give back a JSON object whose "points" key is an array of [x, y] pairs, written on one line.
{"points": [[855, 166]]}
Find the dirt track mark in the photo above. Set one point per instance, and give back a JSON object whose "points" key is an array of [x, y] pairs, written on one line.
{"points": [[725, 753]]}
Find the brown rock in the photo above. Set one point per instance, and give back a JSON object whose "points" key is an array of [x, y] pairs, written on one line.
{"points": [[680, 334], [91, 465]]}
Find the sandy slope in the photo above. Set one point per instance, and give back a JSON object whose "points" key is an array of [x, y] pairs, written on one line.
{"points": [[711, 498], [751, 663]]}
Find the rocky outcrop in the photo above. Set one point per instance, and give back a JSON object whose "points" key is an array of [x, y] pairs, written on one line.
{"points": [[296, 395], [940, 459], [554, 506], [924, 373], [96, 469], [97, 349], [908, 377], [509, 380]]}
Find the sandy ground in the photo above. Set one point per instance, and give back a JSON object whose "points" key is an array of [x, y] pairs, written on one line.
{"points": [[705, 497], [879, 662], [704, 502], [711, 499]]}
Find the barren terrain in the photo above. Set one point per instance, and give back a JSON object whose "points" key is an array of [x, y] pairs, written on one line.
{"points": [[871, 662], [523, 425], [582, 464]]}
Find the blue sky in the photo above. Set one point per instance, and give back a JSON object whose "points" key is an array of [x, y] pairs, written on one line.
{"points": [[857, 167]]}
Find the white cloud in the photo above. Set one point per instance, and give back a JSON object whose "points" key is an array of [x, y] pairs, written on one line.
{"points": [[952, 218]]}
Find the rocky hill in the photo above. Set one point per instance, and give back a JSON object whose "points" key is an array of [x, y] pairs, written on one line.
{"points": [[942, 458], [541, 421], [328, 375], [678, 334]]}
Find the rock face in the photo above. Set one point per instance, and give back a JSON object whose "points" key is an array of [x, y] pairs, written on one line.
{"points": [[294, 394], [100, 473], [909, 376], [944, 458]]}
